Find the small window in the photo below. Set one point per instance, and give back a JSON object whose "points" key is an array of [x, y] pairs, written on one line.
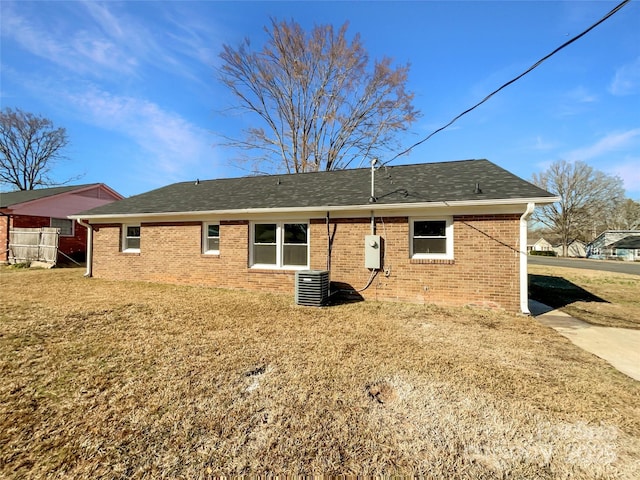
{"points": [[131, 240], [265, 246], [64, 224], [280, 245], [294, 249], [432, 238], [211, 238]]}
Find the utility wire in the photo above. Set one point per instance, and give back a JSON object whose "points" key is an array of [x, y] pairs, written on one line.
{"points": [[566, 44]]}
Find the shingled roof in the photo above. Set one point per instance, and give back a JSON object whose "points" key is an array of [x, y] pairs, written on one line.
{"points": [[404, 184], [22, 196]]}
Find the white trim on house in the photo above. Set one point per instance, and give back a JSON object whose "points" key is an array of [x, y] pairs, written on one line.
{"points": [[126, 237], [448, 254], [279, 245], [509, 205], [206, 237]]}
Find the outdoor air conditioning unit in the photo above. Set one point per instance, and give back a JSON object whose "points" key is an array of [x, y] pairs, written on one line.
{"points": [[312, 287]]}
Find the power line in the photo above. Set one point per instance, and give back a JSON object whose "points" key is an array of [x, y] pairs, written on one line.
{"points": [[513, 80]]}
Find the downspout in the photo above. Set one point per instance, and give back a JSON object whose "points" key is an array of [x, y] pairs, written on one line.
{"points": [[524, 278], [89, 271], [327, 221]]}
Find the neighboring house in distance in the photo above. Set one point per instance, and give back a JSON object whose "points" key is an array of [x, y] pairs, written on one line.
{"points": [[50, 207], [628, 248], [575, 248], [540, 245], [451, 233], [606, 245]]}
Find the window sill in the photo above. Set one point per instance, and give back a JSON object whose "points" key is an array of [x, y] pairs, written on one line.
{"points": [[210, 255], [432, 261], [134, 253], [264, 269]]}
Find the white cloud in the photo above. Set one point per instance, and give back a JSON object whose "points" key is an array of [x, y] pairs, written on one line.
{"points": [[626, 80], [610, 143], [100, 40], [581, 94], [173, 146], [79, 51], [544, 145]]}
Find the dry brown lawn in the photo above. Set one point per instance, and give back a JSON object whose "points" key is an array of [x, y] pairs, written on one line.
{"points": [[131, 380], [601, 298]]}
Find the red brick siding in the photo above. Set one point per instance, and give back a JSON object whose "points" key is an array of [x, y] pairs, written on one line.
{"points": [[4, 237], [485, 268], [76, 245]]}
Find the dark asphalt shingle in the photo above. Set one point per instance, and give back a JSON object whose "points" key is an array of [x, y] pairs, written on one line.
{"points": [[14, 198], [427, 182]]}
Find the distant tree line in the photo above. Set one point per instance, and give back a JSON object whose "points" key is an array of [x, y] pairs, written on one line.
{"points": [[590, 203]]}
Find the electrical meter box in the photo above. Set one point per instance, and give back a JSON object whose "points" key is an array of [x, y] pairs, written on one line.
{"points": [[373, 252]]}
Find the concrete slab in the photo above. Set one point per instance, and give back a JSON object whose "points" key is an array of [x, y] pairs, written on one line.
{"points": [[618, 346]]}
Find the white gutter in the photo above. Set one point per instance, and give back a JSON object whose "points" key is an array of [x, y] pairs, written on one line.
{"points": [[89, 247], [325, 208], [524, 277]]}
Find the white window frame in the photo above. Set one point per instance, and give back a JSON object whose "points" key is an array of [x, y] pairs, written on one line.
{"points": [[125, 238], [73, 226], [206, 237], [448, 255], [279, 245]]}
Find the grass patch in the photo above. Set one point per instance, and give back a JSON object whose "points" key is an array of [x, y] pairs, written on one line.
{"points": [[601, 298], [129, 380]]}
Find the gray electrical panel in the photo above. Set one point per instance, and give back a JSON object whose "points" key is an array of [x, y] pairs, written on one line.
{"points": [[373, 252]]}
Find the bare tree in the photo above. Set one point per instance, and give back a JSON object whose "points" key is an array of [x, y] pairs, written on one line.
{"points": [[317, 104], [626, 216], [587, 197], [30, 146]]}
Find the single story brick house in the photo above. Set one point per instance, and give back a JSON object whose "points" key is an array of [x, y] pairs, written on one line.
{"points": [[450, 233], [50, 207]]}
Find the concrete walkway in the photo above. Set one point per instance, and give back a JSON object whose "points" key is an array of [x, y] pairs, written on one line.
{"points": [[618, 346]]}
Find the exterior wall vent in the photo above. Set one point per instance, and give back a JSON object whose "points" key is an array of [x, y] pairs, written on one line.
{"points": [[312, 287]]}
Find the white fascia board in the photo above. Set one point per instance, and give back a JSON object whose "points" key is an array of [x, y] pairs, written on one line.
{"points": [[482, 206]]}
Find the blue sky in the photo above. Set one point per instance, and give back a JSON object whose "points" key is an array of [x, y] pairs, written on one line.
{"points": [[134, 82]]}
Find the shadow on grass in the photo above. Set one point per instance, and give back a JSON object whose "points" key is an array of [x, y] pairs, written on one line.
{"points": [[342, 293], [558, 292]]}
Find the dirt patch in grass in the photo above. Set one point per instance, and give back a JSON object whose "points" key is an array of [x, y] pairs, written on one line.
{"points": [[601, 298], [129, 380]]}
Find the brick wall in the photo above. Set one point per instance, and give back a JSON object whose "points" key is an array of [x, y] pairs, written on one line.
{"points": [[484, 271], [4, 238]]}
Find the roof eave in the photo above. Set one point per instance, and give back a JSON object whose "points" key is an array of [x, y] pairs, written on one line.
{"points": [[326, 208]]}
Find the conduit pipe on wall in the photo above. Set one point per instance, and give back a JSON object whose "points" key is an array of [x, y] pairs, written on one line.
{"points": [[524, 279], [89, 272], [328, 223]]}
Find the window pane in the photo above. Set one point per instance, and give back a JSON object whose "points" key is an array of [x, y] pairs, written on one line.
{"points": [[65, 225], [265, 233], [133, 231], [133, 243], [264, 254], [429, 245], [295, 233], [213, 230], [213, 244], [435, 228], [295, 254]]}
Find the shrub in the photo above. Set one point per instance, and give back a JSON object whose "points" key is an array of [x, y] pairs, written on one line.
{"points": [[543, 253]]}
